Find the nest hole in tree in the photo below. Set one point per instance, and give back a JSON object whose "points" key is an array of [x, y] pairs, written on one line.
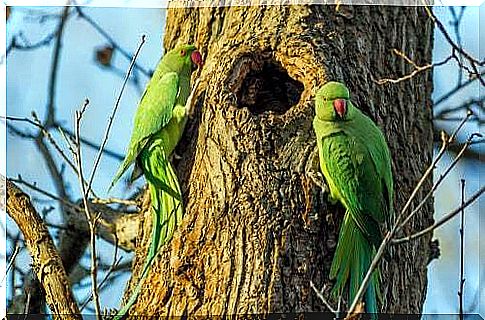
{"points": [[266, 87]]}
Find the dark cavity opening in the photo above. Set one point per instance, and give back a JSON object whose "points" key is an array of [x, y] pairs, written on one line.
{"points": [[268, 87]]}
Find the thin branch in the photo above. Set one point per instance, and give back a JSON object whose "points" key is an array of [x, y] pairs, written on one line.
{"points": [[462, 247], [440, 179], [91, 219], [469, 153], [114, 264], [443, 220], [111, 41], [458, 87], [46, 193], [442, 28], [50, 118], [464, 106], [456, 28], [111, 118], [19, 42], [322, 298], [11, 262], [93, 145], [473, 62], [68, 140], [417, 69], [36, 122]]}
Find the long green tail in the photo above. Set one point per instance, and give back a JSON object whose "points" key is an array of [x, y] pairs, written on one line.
{"points": [[352, 259], [167, 212]]}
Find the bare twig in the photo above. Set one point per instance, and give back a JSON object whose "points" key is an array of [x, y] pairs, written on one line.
{"points": [[462, 247], [19, 41], [111, 41], [114, 264], [50, 118], [36, 122], [417, 69], [440, 179], [68, 133], [470, 153], [465, 106], [322, 298], [443, 220], [46, 193], [111, 118], [92, 220], [11, 262], [474, 63], [69, 142], [15, 44], [458, 87]]}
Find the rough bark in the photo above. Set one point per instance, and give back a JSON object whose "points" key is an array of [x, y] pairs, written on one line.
{"points": [[46, 261], [257, 229]]}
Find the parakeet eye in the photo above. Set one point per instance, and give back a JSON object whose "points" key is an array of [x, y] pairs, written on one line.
{"points": [[183, 53]]}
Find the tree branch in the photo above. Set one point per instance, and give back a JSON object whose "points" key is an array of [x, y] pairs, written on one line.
{"points": [[113, 113], [45, 259], [443, 220], [49, 121], [113, 224], [111, 41]]}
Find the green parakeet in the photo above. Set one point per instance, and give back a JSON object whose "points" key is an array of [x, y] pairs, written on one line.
{"points": [[356, 163], [159, 123]]}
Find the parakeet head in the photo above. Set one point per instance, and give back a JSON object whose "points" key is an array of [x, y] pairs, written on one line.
{"points": [[332, 102], [183, 57]]}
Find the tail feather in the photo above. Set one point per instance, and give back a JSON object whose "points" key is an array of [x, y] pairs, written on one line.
{"points": [[167, 213], [351, 262]]}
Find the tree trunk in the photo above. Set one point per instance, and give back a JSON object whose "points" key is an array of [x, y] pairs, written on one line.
{"points": [[257, 229]]}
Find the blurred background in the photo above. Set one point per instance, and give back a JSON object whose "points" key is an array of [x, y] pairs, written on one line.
{"points": [[96, 48]]}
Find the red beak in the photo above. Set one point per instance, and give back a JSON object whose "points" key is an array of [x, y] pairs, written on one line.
{"points": [[340, 106], [197, 58]]}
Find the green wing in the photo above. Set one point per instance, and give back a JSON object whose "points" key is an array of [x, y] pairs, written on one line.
{"points": [[154, 112], [354, 180], [375, 144]]}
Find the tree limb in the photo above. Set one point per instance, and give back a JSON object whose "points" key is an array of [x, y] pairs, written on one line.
{"points": [[46, 261]]}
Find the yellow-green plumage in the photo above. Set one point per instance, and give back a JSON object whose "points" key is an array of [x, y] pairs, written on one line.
{"points": [[158, 126], [356, 163]]}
